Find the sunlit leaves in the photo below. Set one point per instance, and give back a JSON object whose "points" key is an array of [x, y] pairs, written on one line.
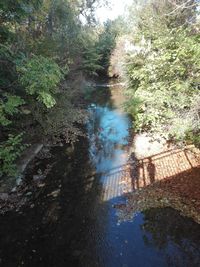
{"points": [[8, 107], [40, 76], [10, 150], [165, 78]]}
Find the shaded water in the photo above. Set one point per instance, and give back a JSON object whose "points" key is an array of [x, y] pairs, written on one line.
{"points": [[78, 228]]}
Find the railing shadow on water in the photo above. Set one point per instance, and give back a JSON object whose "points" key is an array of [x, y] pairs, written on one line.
{"points": [[140, 173], [72, 233], [164, 165]]}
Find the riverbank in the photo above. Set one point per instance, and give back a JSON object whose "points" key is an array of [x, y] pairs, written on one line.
{"points": [[164, 175], [180, 193], [14, 190], [56, 133], [67, 214], [16, 193]]}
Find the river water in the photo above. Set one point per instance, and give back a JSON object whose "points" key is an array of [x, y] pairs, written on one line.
{"points": [[72, 224]]}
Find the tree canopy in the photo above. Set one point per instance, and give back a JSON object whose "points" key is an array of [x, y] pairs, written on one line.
{"points": [[44, 44], [162, 68]]}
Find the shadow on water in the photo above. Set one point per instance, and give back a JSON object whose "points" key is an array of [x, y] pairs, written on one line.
{"points": [[163, 168], [75, 227]]}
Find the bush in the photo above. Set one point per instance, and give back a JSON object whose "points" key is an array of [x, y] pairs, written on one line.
{"points": [[40, 76], [10, 150], [165, 79], [9, 106]]}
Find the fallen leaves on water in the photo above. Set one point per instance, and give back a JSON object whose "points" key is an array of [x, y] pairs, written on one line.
{"points": [[181, 193], [54, 193]]}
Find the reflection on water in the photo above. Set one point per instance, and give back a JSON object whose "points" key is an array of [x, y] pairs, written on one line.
{"points": [[177, 237], [145, 241], [108, 132], [158, 237], [77, 228]]}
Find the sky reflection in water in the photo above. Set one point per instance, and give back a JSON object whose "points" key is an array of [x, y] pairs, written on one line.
{"points": [[155, 238], [108, 132]]}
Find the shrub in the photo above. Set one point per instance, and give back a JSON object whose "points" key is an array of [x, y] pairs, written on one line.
{"points": [[40, 76], [10, 150]]}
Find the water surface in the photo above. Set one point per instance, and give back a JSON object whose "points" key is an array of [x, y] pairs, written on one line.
{"points": [[77, 227]]}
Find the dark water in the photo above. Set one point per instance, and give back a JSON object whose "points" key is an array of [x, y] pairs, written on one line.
{"points": [[76, 227]]}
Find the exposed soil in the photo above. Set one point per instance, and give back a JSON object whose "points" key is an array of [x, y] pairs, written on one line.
{"points": [[20, 194]]}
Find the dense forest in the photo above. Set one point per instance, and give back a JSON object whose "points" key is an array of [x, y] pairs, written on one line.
{"points": [[100, 133], [50, 49], [162, 67]]}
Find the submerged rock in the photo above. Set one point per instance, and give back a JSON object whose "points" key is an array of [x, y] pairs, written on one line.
{"points": [[4, 196], [54, 193], [38, 177]]}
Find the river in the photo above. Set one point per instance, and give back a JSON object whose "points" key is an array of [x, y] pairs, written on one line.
{"points": [[71, 221]]}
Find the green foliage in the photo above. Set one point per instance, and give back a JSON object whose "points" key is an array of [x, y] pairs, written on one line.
{"points": [[9, 107], [40, 76], [44, 46], [15, 10], [7, 72], [106, 44], [164, 75], [91, 60], [10, 150], [62, 121]]}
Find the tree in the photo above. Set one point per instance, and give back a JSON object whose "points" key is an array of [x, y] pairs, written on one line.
{"points": [[42, 43], [163, 73]]}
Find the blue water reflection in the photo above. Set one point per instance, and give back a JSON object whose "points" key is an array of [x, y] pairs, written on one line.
{"points": [[108, 132], [155, 238], [77, 228]]}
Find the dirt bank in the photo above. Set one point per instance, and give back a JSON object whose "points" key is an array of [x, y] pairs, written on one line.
{"points": [[163, 177]]}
